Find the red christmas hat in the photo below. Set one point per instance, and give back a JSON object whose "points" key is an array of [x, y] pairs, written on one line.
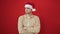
{"points": [[30, 5]]}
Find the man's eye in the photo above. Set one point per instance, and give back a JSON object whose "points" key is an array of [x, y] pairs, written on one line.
{"points": [[28, 8]]}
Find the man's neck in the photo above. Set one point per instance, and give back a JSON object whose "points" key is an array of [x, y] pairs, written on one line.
{"points": [[29, 14]]}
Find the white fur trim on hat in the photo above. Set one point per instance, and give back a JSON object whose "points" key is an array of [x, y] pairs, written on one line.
{"points": [[33, 9], [30, 6]]}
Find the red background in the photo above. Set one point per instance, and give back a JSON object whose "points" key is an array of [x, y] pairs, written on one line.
{"points": [[47, 10]]}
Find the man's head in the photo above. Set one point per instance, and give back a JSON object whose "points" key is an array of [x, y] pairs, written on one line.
{"points": [[29, 7]]}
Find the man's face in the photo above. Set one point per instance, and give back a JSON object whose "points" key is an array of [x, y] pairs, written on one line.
{"points": [[28, 10]]}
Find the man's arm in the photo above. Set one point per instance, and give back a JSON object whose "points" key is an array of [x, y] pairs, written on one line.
{"points": [[20, 24], [37, 25]]}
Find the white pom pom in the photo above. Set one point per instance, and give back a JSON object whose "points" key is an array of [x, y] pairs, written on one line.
{"points": [[33, 10]]}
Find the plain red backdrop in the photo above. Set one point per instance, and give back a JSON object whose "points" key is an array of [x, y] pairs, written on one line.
{"points": [[47, 10]]}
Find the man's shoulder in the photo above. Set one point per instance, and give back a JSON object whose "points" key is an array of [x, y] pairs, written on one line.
{"points": [[36, 16], [21, 16]]}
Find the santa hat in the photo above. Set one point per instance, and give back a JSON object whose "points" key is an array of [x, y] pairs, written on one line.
{"points": [[30, 5]]}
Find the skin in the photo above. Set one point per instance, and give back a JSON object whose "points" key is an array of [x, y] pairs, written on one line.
{"points": [[28, 11]]}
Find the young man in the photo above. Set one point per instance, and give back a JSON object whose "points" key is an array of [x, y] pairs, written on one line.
{"points": [[29, 23]]}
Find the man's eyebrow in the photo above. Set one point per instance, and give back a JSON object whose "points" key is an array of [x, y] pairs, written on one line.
{"points": [[27, 8]]}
